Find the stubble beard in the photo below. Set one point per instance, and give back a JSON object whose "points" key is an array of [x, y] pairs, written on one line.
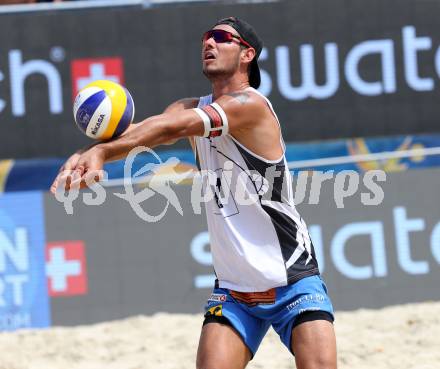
{"points": [[219, 73]]}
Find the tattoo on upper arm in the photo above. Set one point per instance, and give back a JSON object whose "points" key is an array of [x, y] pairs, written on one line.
{"points": [[242, 97]]}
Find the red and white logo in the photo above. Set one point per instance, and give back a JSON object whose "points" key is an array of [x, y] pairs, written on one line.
{"points": [[66, 268], [85, 71]]}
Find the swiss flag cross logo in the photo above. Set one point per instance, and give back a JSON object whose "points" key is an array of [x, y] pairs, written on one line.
{"points": [[66, 268], [85, 71]]}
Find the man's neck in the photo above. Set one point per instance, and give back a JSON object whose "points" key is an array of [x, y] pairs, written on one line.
{"points": [[224, 86]]}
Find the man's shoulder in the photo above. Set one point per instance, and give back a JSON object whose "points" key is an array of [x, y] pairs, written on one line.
{"points": [[244, 102], [182, 104], [244, 97]]}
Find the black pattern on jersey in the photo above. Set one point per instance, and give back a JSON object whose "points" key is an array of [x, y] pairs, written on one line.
{"points": [[222, 192], [286, 230], [196, 155], [273, 172], [285, 227], [219, 191], [238, 165]]}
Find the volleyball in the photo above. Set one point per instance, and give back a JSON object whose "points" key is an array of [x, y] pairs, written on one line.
{"points": [[103, 109]]}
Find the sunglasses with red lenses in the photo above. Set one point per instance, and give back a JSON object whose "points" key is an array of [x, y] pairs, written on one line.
{"points": [[221, 36]]}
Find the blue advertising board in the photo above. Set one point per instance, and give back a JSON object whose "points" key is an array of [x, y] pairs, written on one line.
{"points": [[38, 174], [24, 300]]}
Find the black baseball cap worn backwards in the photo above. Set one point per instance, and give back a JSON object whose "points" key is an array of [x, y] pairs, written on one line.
{"points": [[247, 33]]}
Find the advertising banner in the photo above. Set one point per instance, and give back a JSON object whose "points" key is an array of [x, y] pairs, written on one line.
{"points": [[416, 152], [331, 70], [371, 256], [24, 300], [120, 251]]}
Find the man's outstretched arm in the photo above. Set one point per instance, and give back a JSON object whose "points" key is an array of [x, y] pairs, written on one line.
{"points": [[152, 132], [67, 169], [169, 126]]}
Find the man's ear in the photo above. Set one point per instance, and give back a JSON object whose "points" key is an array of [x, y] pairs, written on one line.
{"points": [[248, 54]]}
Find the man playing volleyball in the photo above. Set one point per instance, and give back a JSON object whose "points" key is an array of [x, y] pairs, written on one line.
{"points": [[267, 273]]}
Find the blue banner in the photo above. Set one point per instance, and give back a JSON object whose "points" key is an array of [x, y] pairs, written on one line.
{"points": [[24, 300], [38, 174], [353, 149]]}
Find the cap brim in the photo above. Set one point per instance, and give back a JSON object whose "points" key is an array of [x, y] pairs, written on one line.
{"points": [[254, 75]]}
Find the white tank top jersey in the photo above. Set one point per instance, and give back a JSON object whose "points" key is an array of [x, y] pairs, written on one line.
{"points": [[256, 245]]}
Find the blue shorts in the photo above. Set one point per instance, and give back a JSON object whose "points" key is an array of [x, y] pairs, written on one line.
{"points": [[252, 320]]}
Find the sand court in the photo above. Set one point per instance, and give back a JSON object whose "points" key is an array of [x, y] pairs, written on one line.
{"points": [[406, 336]]}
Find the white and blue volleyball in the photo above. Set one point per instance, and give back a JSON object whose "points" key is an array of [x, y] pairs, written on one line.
{"points": [[103, 110]]}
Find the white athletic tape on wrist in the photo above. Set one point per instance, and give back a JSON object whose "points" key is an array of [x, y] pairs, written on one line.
{"points": [[214, 119]]}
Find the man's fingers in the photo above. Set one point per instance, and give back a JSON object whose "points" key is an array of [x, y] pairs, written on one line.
{"points": [[87, 179], [66, 173], [66, 180], [53, 187], [62, 176], [92, 177], [76, 178], [80, 169]]}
